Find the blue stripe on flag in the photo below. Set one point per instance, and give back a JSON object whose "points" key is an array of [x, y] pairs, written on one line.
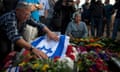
{"points": [[9, 69], [17, 69], [60, 47], [36, 42]]}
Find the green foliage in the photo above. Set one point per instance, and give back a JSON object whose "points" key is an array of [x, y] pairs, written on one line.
{"points": [[41, 65]]}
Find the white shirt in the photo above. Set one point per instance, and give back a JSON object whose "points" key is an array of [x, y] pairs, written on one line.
{"points": [[45, 7]]}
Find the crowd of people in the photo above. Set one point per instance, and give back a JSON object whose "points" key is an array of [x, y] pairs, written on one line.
{"points": [[96, 15], [18, 19]]}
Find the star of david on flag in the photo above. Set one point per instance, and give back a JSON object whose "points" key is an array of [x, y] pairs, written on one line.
{"points": [[50, 47]]}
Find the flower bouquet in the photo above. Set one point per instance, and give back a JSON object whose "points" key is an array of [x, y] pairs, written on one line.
{"points": [[92, 55], [91, 62], [28, 62], [94, 42]]}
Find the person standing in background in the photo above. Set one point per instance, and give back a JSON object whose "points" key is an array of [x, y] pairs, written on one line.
{"points": [[44, 11], [50, 12], [97, 14], [108, 14], [86, 14], [64, 9], [117, 19]]}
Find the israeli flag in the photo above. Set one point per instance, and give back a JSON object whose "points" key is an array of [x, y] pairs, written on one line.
{"points": [[50, 47]]}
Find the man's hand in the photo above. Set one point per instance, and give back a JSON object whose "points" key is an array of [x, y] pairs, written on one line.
{"points": [[50, 34], [39, 53], [23, 44], [39, 6], [53, 36]]}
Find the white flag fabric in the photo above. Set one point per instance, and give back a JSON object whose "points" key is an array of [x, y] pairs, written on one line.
{"points": [[50, 47]]}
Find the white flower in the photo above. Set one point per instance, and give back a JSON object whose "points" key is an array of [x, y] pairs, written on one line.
{"points": [[69, 62]]}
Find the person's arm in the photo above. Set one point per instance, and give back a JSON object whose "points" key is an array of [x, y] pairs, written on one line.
{"points": [[50, 34], [15, 37], [44, 28], [39, 6], [23, 44], [34, 23], [36, 6]]}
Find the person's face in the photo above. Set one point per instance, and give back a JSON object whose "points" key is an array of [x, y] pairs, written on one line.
{"points": [[77, 18], [23, 14]]}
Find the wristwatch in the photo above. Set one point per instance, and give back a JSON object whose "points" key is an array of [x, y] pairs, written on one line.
{"points": [[36, 5]]}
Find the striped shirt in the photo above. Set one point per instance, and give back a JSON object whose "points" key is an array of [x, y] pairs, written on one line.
{"points": [[9, 27]]}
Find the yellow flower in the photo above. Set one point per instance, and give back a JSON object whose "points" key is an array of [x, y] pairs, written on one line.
{"points": [[99, 45], [45, 67], [81, 39], [22, 64], [35, 65], [79, 62]]}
